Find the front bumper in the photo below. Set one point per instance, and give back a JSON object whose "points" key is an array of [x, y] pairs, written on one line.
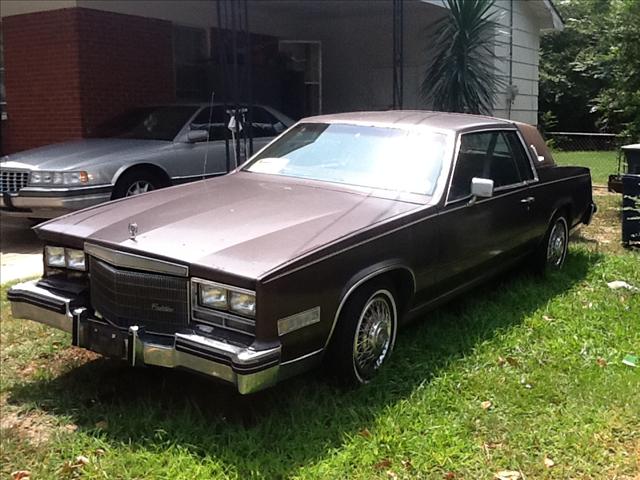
{"points": [[50, 202], [248, 369]]}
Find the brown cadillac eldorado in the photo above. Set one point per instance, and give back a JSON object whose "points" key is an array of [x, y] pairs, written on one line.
{"points": [[316, 249]]}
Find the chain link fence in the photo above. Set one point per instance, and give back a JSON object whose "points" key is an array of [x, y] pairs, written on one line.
{"points": [[600, 152]]}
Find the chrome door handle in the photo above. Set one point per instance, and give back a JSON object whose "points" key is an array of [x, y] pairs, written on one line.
{"points": [[528, 200]]}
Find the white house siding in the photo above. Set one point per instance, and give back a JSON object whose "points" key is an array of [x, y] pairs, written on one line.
{"points": [[526, 44], [19, 7]]}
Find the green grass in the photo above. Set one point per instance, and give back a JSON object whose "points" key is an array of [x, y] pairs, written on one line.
{"points": [[546, 353], [601, 163]]}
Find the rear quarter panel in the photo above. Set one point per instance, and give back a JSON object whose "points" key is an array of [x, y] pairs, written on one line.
{"points": [[561, 187]]}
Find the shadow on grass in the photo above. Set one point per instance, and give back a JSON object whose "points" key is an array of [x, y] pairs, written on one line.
{"points": [[275, 432]]}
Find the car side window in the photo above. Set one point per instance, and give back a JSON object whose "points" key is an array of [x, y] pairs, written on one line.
{"points": [[215, 119], [265, 124], [520, 156], [483, 155]]}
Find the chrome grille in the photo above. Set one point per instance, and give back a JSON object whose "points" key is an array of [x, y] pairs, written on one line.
{"points": [[128, 297], [11, 181]]}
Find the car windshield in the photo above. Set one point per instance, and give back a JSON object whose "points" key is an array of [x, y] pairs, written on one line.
{"points": [[152, 123], [404, 160]]}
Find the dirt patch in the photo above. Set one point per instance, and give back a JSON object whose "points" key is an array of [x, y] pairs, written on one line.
{"points": [[34, 427], [63, 360], [70, 358], [604, 234]]}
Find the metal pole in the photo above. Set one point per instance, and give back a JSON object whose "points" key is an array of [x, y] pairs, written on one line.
{"points": [[249, 67], [398, 53], [234, 49], [222, 59]]}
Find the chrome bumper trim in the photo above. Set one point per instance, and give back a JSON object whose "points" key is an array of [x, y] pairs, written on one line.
{"points": [[53, 205], [31, 302], [248, 369], [148, 353]]}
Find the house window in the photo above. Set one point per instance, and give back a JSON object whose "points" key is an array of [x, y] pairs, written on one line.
{"points": [[190, 56]]}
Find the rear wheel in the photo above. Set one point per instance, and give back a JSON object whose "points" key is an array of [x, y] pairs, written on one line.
{"points": [[552, 252], [365, 334]]}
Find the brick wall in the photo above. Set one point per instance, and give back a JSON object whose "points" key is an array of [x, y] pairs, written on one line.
{"points": [[42, 79], [125, 61], [68, 70]]}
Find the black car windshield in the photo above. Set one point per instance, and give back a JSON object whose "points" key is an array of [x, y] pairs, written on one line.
{"points": [[398, 159], [152, 123]]}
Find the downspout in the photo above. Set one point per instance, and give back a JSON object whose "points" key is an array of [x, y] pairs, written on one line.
{"points": [[510, 91]]}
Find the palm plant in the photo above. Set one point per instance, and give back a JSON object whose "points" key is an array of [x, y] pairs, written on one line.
{"points": [[461, 75]]}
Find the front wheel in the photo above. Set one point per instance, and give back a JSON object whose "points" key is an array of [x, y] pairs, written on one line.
{"points": [[135, 183], [365, 334]]}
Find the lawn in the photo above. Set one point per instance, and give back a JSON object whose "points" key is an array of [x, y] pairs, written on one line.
{"points": [[523, 371], [601, 163]]}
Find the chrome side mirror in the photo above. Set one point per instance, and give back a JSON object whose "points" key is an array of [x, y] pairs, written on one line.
{"points": [[195, 136], [535, 152], [481, 188]]}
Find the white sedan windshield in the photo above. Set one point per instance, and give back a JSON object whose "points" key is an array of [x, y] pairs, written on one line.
{"points": [[404, 160]]}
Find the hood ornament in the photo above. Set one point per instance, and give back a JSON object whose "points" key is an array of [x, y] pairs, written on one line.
{"points": [[133, 231]]}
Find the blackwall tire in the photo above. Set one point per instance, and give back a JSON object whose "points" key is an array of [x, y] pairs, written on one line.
{"points": [[134, 183], [552, 252]]}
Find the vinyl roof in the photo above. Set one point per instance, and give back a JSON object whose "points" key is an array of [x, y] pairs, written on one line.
{"points": [[440, 120]]}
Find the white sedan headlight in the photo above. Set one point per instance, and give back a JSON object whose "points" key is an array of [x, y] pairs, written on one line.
{"points": [[60, 257], [58, 178]]}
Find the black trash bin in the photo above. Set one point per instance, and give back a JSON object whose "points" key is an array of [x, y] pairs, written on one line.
{"points": [[632, 152], [632, 157], [631, 210]]}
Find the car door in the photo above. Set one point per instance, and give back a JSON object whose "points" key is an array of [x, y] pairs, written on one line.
{"points": [[479, 236], [217, 155], [209, 157], [265, 127]]}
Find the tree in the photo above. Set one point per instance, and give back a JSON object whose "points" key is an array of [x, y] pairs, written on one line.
{"points": [[618, 103], [461, 75], [590, 72]]}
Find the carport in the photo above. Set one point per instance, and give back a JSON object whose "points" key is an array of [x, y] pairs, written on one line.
{"points": [[352, 53], [86, 61], [306, 58]]}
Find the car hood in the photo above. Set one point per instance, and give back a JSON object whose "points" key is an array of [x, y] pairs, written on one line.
{"points": [[81, 154], [245, 224]]}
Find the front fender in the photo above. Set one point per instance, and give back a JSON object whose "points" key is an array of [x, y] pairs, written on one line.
{"points": [[143, 164], [365, 275]]}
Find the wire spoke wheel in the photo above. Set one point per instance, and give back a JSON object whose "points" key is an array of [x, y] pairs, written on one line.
{"points": [[557, 245], [374, 335], [138, 187]]}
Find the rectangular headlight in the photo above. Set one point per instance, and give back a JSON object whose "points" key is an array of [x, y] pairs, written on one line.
{"points": [[75, 259], [60, 257], [58, 178], [242, 303], [54, 256], [212, 296]]}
